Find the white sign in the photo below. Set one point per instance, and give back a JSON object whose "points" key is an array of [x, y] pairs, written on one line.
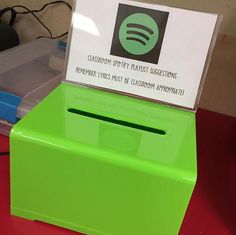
{"points": [[147, 50]]}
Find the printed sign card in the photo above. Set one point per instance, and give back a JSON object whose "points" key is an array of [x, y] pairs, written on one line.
{"points": [[147, 50]]}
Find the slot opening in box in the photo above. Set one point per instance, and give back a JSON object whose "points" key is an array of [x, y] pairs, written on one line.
{"points": [[116, 121]]}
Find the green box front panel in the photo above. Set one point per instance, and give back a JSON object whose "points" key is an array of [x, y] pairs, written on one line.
{"points": [[110, 165]]}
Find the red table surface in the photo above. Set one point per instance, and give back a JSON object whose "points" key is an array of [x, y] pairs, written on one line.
{"points": [[212, 209]]}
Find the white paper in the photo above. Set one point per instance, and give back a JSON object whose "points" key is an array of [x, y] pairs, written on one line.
{"points": [[174, 78]]}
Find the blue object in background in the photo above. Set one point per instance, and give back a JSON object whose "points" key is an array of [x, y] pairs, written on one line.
{"points": [[8, 106], [62, 45]]}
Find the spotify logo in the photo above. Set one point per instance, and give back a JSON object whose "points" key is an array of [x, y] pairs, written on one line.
{"points": [[138, 33]]}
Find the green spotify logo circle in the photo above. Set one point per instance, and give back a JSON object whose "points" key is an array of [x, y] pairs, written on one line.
{"points": [[138, 34]]}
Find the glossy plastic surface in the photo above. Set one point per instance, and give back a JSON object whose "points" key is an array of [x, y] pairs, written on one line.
{"points": [[102, 175], [30, 76], [8, 106], [97, 58]]}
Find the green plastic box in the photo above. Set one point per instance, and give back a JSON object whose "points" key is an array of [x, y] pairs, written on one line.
{"points": [[102, 163]]}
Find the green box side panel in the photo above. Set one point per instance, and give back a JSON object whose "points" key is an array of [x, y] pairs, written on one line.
{"points": [[101, 176]]}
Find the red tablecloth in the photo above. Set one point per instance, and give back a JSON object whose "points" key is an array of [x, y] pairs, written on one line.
{"points": [[212, 209]]}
